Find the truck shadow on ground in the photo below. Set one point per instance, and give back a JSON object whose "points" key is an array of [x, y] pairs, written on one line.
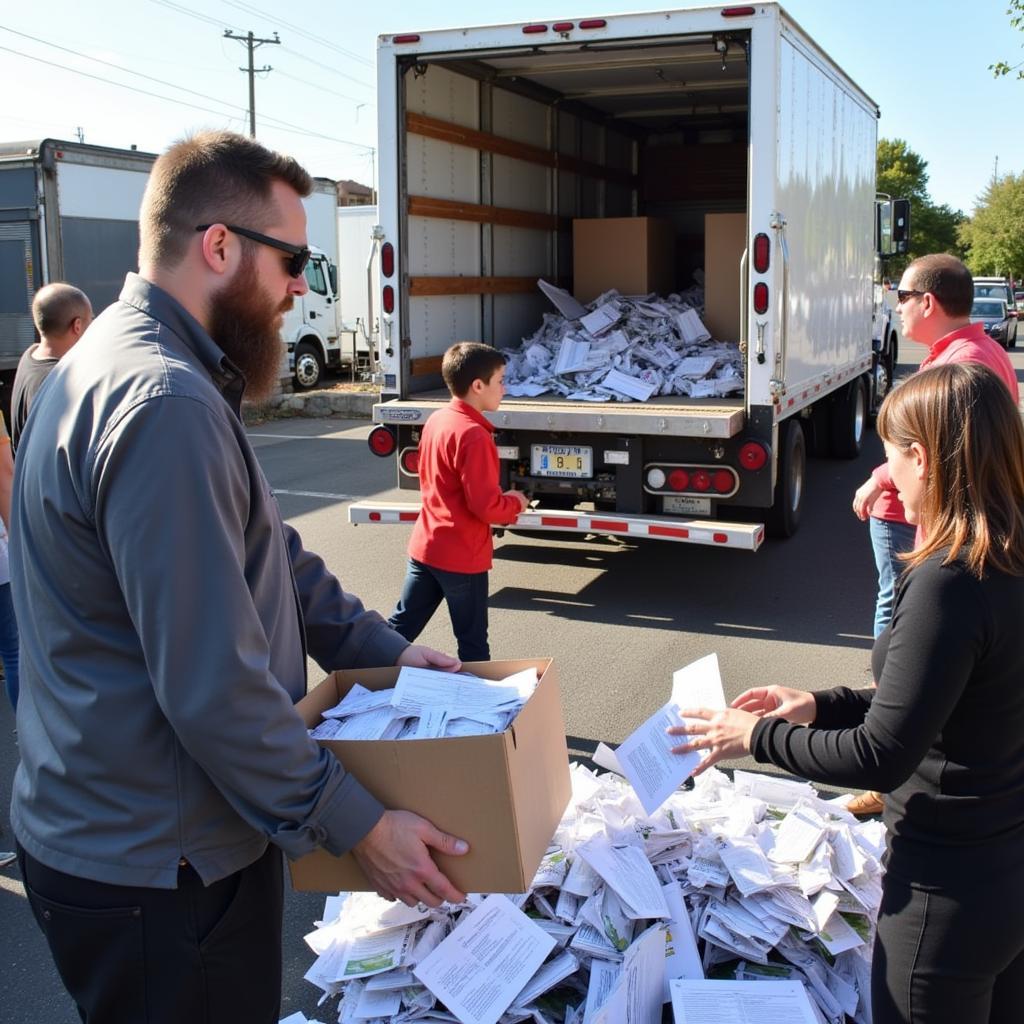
{"points": [[817, 587]]}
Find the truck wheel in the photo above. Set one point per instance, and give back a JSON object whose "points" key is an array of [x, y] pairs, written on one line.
{"points": [[1011, 339], [784, 515], [849, 415], [309, 366]]}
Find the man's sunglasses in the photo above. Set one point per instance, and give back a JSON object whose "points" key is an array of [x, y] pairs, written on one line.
{"points": [[299, 253], [903, 294]]}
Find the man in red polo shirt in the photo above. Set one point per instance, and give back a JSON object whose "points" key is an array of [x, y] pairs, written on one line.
{"points": [[451, 548], [935, 294]]}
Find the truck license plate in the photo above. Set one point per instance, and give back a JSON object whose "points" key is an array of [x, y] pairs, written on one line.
{"points": [[677, 504], [561, 460]]}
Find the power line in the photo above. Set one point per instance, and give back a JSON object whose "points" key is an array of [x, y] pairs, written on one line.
{"points": [[284, 126], [298, 30], [182, 9], [320, 88], [326, 67]]}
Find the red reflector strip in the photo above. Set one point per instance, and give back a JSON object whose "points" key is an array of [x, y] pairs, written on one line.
{"points": [[593, 23], [720, 538], [562, 26], [405, 517], [552, 521], [668, 531], [410, 38], [610, 525], [374, 517], [737, 12], [532, 30]]}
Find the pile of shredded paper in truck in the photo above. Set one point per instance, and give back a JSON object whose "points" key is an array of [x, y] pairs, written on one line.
{"points": [[625, 349], [750, 879]]}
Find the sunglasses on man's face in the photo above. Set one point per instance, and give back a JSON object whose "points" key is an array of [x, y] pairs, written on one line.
{"points": [[902, 294], [299, 254]]}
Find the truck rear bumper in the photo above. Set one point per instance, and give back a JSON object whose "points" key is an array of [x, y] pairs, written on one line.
{"points": [[745, 536]]}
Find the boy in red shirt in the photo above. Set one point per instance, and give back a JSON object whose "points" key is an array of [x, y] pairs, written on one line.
{"points": [[450, 549]]}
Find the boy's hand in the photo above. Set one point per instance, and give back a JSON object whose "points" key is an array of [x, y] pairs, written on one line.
{"points": [[524, 500], [418, 656]]}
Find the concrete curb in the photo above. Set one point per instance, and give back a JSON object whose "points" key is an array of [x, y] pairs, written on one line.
{"points": [[313, 405]]}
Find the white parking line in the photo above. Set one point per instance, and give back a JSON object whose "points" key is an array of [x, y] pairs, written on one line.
{"points": [[296, 437], [320, 494]]}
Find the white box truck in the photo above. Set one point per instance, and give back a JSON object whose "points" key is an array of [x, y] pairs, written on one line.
{"points": [[493, 140], [68, 212]]}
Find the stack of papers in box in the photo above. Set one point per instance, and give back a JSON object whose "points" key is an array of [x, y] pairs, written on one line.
{"points": [[427, 704], [752, 881], [625, 349]]}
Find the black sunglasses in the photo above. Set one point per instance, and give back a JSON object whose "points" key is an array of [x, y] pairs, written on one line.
{"points": [[299, 253], [903, 294]]}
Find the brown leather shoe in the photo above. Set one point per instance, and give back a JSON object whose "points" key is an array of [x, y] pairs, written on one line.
{"points": [[866, 804]]}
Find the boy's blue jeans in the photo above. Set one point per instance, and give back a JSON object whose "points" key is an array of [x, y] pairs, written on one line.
{"points": [[466, 595], [888, 539]]}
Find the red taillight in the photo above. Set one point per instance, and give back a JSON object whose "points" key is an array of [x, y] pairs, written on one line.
{"points": [[408, 38], [753, 455], [701, 480], [410, 461], [382, 441], [593, 23], [762, 249], [737, 12], [679, 479], [562, 26], [532, 30], [387, 259], [388, 299], [722, 481], [760, 298]]}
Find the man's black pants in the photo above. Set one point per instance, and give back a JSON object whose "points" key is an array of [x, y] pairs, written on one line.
{"points": [[131, 955]]}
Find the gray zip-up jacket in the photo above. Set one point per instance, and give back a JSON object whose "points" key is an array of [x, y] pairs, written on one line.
{"points": [[165, 612]]}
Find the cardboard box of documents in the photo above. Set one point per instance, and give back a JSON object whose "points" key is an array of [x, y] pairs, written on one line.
{"points": [[635, 255], [504, 793]]}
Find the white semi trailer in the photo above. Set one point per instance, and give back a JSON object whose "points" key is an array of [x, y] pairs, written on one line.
{"points": [[494, 140]]}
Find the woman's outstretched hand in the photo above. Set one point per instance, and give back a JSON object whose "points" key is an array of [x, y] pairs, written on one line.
{"points": [[794, 706], [724, 734]]}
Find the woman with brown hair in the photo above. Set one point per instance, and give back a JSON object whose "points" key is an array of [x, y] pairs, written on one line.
{"points": [[944, 732]]}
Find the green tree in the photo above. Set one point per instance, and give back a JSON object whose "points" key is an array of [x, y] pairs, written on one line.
{"points": [[903, 174], [995, 234], [1016, 14]]}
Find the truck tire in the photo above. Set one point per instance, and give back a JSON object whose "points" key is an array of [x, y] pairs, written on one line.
{"points": [[849, 417], [784, 515], [309, 366]]}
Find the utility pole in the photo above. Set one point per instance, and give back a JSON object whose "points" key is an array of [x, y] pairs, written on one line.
{"points": [[252, 43]]}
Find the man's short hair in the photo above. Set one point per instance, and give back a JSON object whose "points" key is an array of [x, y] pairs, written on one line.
{"points": [[947, 279], [467, 361], [207, 178], [56, 307]]}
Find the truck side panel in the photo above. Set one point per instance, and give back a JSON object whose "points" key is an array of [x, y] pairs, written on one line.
{"points": [[826, 175], [19, 262]]}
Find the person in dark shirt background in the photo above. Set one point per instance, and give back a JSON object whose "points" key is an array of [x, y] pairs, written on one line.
{"points": [[943, 735]]}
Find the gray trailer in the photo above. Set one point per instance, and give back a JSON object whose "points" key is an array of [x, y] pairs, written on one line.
{"points": [[68, 212]]}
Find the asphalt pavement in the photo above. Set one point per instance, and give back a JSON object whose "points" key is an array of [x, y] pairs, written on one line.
{"points": [[618, 618]]}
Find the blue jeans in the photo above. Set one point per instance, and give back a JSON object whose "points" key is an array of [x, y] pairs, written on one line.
{"points": [[888, 539], [466, 595], [9, 644]]}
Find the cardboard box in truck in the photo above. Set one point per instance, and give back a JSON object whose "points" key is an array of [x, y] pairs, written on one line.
{"points": [[503, 793], [725, 238], [636, 255]]}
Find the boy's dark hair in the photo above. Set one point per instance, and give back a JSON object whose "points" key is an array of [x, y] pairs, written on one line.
{"points": [[211, 177], [467, 361], [947, 279]]}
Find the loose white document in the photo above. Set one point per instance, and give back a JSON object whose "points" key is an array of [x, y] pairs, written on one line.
{"points": [[636, 997], [632, 387], [563, 301], [646, 757], [741, 1002], [602, 318], [478, 971]]}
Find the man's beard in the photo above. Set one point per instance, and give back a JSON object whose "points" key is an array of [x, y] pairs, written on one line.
{"points": [[245, 323]]}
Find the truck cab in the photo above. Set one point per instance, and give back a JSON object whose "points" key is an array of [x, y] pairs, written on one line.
{"points": [[310, 328]]}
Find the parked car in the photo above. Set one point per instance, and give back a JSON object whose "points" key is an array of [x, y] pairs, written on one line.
{"points": [[1018, 300], [1000, 288], [992, 312]]}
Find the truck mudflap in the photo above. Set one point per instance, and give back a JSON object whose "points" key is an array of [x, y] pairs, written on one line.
{"points": [[745, 536]]}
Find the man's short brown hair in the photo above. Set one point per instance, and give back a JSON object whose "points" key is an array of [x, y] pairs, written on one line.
{"points": [[467, 361], [210, 177], [56, 307], [947, 279]]}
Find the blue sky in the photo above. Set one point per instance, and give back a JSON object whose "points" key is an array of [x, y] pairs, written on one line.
{"points": [[925, 62]]}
